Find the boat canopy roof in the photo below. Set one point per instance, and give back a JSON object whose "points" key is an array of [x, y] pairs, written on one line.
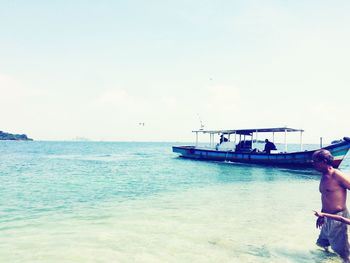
{"points": [[250, 131]]}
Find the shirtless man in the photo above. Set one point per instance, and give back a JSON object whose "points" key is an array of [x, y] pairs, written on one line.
{"points": [[333, 187]]}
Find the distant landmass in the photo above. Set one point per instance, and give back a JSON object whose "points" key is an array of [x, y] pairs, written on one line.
{"points": [[14, 137], [81, 139]]}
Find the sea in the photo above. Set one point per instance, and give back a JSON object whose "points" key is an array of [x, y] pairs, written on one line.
{"points": [[139, 202]]}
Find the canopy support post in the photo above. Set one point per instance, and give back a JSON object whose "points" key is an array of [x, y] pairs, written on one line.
{"points": [[285, 140]]}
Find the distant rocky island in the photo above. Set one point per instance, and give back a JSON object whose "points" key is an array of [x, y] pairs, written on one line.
{"points": [[14, 137]]}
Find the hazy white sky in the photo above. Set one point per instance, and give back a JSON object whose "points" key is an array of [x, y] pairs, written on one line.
{"points": [[97, 69]]}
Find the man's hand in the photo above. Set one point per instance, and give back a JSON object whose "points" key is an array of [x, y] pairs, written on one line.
{"points": [[318, 214], [320, 219]]}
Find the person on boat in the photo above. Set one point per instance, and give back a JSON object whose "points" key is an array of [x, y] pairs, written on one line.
{"points": [[223, 139], [269, 146], [334, 217], [333, 188]]}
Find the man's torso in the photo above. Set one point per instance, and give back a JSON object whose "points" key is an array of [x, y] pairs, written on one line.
{"points": [[333, 194]]}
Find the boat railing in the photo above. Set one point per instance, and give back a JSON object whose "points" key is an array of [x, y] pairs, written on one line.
{"points": [[205, 147]]}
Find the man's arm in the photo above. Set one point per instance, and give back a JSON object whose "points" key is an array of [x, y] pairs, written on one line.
{"points": [[334, 217]]}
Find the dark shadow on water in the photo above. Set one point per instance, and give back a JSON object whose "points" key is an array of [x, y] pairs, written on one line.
{"points": [[258, 251], [290, 255], [316, 255]]}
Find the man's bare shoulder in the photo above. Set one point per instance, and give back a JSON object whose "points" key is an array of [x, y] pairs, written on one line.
{"points": [[342, 178], [337, 173]]}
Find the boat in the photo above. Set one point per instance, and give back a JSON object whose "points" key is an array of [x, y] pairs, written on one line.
{"points": [[244, 148]]}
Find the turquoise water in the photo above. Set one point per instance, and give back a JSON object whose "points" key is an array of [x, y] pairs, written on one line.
{"points": [[138, 202]]}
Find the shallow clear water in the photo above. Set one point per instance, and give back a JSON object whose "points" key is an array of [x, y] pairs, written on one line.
{"points": [[139, 202]]}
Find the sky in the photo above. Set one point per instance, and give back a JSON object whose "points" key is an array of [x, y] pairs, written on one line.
{"points": [[97, 69]]}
